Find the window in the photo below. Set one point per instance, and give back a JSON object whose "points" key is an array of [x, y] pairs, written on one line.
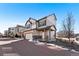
{"points": [[28, 26], [42, 23], [12, 29]]}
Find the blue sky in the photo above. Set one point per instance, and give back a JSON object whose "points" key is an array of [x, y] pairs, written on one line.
{"points": [[13, 13]]}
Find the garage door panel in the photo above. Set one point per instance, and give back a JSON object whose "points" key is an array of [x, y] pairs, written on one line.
{"points": [[29, 36]]}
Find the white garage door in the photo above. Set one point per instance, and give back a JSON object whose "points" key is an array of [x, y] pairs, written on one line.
{"points": [[29, 36]]}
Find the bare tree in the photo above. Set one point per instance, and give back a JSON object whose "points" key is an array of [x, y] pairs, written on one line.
{"points": [[68, 27]]}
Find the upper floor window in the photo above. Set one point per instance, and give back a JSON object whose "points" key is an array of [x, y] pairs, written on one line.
{"points": [[42, 23], [12, 29], [28, 26]]}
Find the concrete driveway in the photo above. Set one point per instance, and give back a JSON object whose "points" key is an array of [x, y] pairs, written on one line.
{"points": [[26, 48]]}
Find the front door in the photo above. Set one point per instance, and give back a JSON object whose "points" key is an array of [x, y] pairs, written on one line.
{"points": [[45, 35]]}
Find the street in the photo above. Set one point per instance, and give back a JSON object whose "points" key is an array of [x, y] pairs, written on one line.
{"points": [[22, 47]]}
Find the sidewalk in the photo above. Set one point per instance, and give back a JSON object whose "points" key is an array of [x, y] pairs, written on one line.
{"points": [[4, 41]]}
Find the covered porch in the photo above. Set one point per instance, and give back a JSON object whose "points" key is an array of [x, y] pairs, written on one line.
{"points": [[47, 33]]}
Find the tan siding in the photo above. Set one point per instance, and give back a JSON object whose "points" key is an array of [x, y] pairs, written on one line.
{"points": [[51, 21]]}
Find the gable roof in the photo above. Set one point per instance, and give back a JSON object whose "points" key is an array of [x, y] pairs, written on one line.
{"points": [[20, 26], [48, 16], [40, 19], [30, 19]]}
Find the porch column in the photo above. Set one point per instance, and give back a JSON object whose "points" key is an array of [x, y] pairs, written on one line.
{"points": [[49, 34], [21, 35], [44, 35], [55, 34]]}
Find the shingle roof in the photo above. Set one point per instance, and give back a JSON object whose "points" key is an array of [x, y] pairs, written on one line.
{"points": [[30, 19], [47, 16]]}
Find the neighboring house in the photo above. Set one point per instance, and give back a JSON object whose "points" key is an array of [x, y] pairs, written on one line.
{"points": [[43, 29], [20, 29], [77, 36], [16, 31], [11, 31], [1, 35], [6, 33], [60, 34]]}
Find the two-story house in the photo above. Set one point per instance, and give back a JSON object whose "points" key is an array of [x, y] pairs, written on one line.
{"points": [[43, 29], [16, 31], [19, 29], [11, 31]]}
